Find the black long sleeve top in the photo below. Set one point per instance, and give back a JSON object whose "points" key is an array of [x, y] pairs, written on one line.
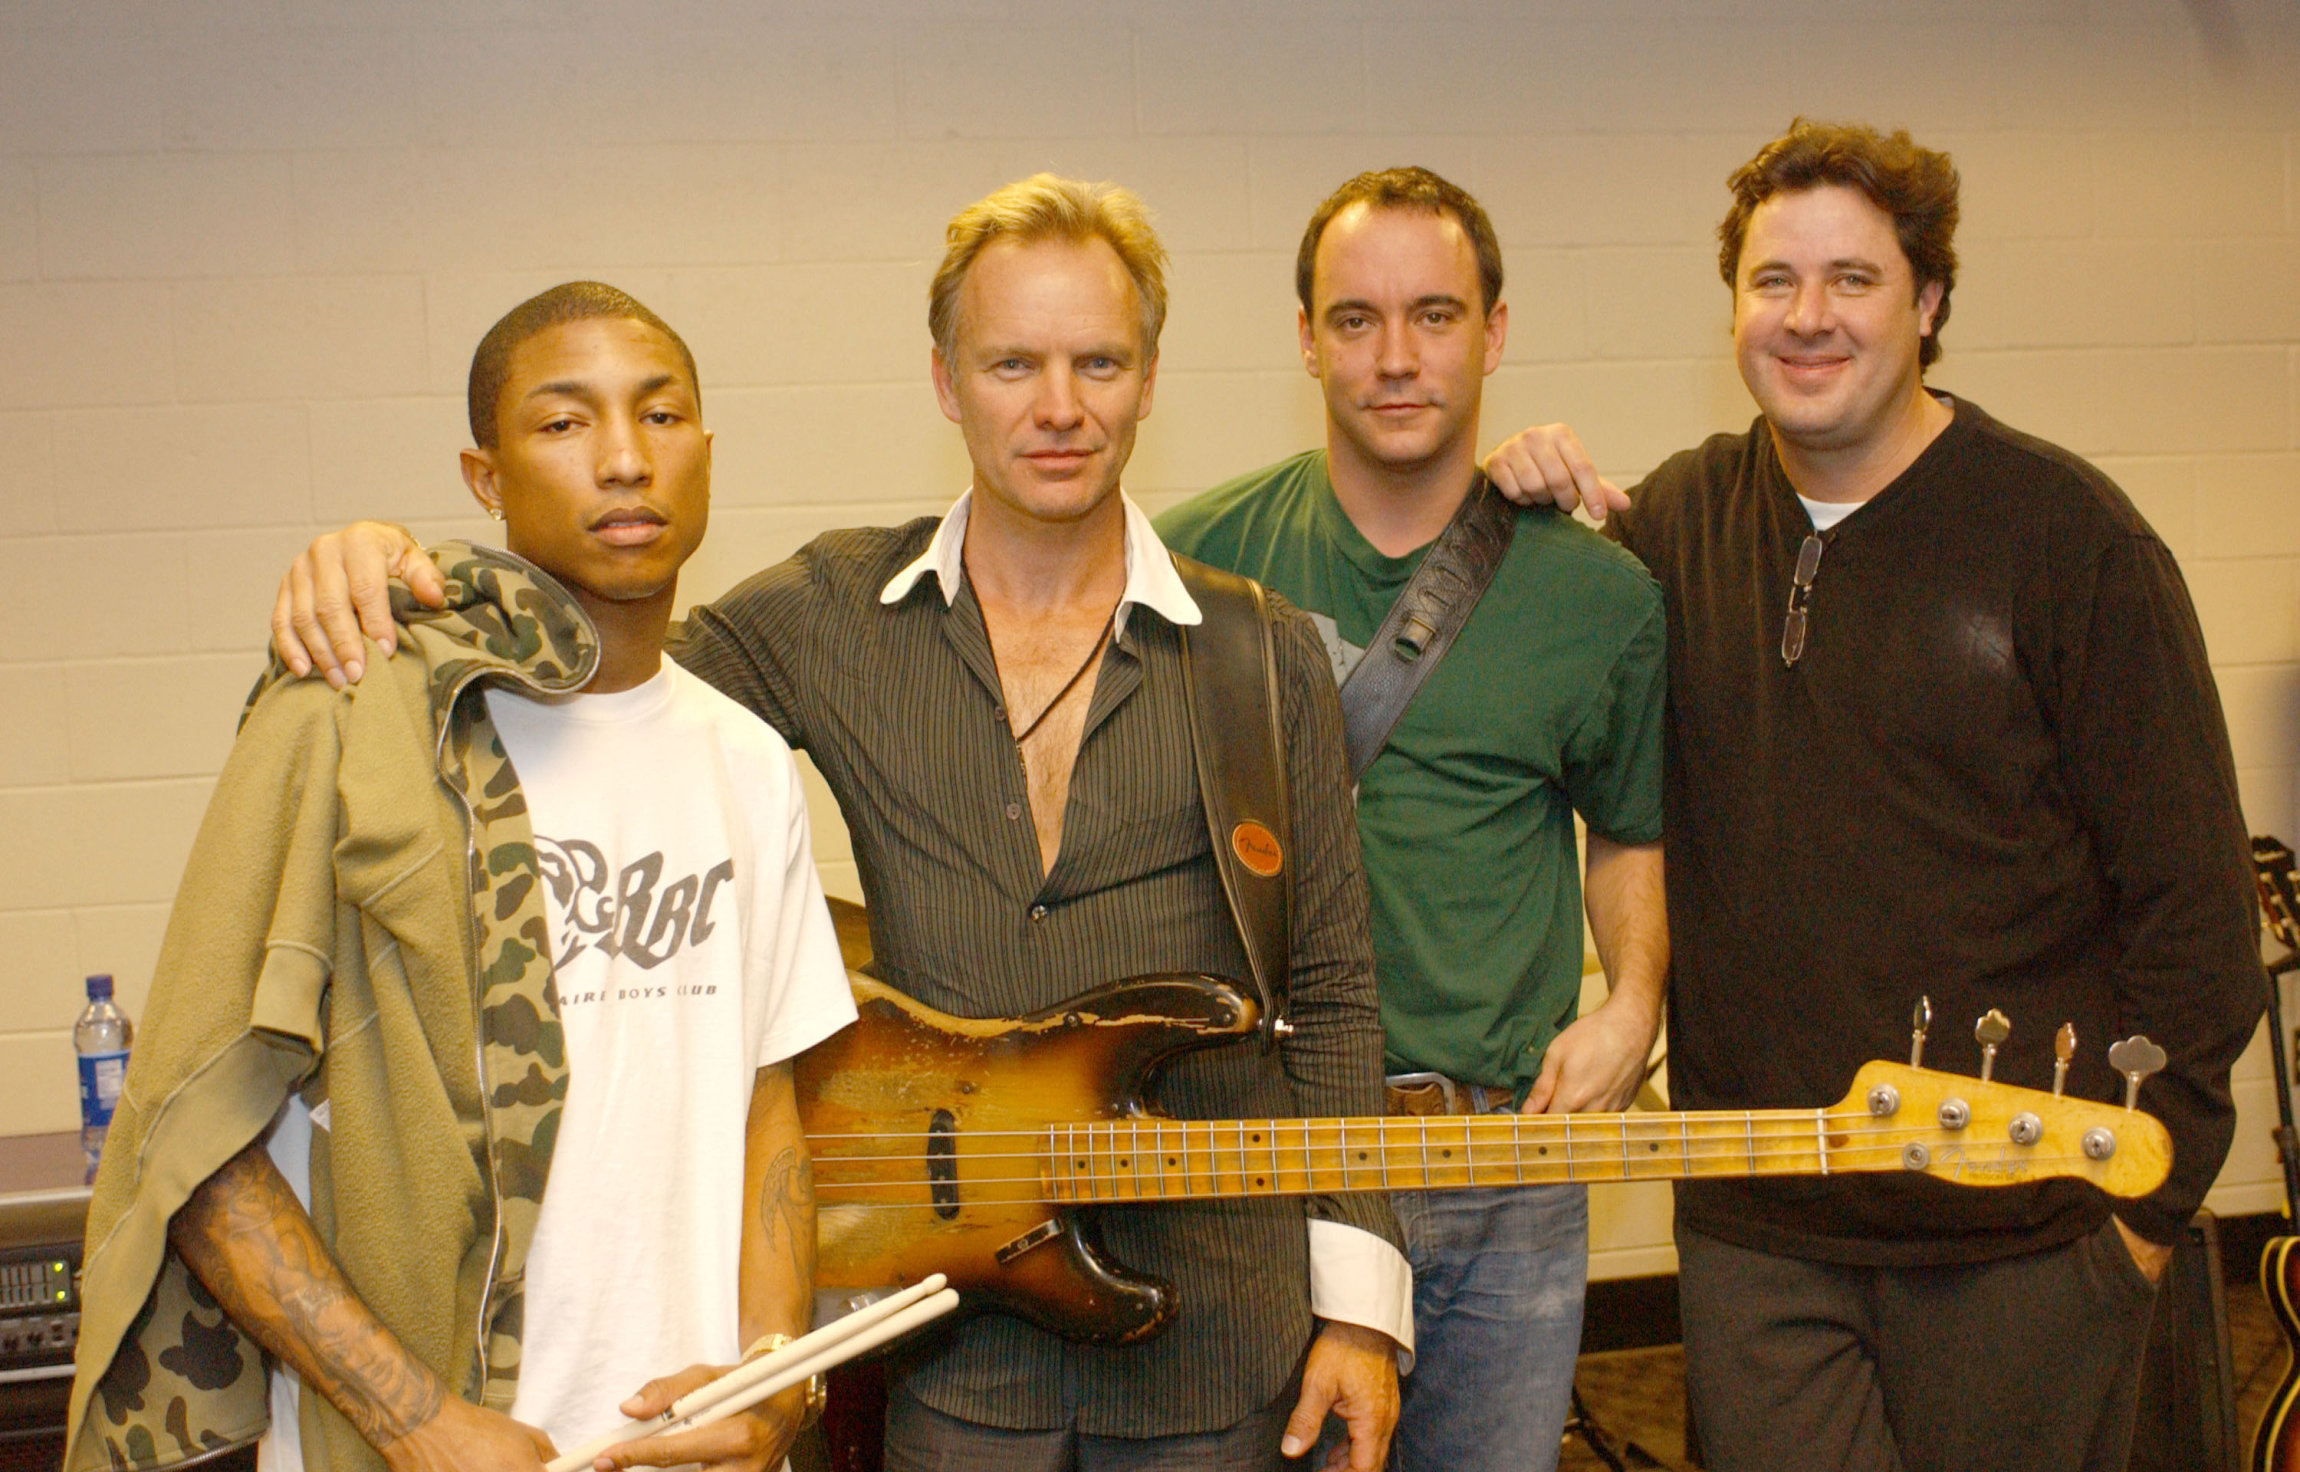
{"points": [[1997, 775]]}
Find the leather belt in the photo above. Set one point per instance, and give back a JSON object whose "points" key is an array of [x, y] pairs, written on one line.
{"points": [[1434, 1093]]}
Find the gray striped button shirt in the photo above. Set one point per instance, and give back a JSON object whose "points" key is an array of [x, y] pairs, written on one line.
{"points": [[900, 707]]}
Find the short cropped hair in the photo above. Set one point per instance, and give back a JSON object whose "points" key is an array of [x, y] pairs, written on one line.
{"points": [[1044, 207], [1916, 186], [1405, 189], [570, 301]]}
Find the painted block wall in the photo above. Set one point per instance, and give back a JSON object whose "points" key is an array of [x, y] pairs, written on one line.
{"points": [[246, 248]]}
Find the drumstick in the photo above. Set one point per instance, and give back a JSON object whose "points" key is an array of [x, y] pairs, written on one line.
{"points": [[776, 1371], [828, 1359], [751, 1370], [760, 1389], [742, 1376]]}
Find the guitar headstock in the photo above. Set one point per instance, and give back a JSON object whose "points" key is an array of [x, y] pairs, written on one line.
{"points": [[1977, 1132]]}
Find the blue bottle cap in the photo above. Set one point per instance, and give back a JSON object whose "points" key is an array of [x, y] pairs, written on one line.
{"points": [[100, 988]]}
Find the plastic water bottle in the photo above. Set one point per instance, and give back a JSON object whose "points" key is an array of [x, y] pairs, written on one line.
{"points": [[101, 1039]]}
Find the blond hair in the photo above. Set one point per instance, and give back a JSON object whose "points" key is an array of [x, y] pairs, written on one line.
{"points": [[1043, 207]]}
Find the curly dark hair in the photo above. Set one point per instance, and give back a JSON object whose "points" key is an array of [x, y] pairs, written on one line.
{"points": [[1917, 186]]}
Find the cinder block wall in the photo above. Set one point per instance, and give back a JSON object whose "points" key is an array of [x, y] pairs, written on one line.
{"points": [[246, 248]]}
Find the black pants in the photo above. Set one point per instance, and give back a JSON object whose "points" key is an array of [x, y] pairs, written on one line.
{"points": [[922, 1439], [2029, 1364]]}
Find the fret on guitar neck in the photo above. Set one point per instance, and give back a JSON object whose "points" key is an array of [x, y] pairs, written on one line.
{"points": [[1154, 1159]]}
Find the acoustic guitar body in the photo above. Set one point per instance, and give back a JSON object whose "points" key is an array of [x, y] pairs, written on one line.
{"points": [[935, 1133], [2276, 1446]]}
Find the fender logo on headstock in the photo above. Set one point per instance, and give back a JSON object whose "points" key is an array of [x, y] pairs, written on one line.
{"points": [[1958, 1161]]}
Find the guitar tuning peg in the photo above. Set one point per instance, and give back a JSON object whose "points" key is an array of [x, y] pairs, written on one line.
{"points": [[2063, 1049], [1991, 1030], [1918, 1023], [2136, 1058]]}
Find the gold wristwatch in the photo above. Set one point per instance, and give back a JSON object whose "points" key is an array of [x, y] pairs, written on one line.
{"points": [[818, 1389]]}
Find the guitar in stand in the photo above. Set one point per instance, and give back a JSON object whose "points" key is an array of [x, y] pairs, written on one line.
{"points": [[2276, 1446]]}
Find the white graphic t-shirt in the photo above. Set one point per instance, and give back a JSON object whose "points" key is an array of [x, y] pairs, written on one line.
{"points": [[691, 947]]}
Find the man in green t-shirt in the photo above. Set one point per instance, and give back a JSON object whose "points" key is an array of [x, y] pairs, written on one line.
{"points": [[1548, 704]]}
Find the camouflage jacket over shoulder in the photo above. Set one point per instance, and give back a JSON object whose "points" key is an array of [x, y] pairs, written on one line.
{"points": [[361, 922]]}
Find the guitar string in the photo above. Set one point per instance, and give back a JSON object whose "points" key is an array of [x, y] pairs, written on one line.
{"points": [[1208, 1160], [1772, 1147], [1493, 1129], [1800, 1118], [861, 1169], [1041, 1196], [1720, 1149], [1328, 1160]]}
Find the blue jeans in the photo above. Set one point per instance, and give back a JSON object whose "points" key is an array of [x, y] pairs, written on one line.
{"points": [[1499, 1275]]}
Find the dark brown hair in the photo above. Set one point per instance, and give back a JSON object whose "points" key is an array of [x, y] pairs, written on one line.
{"points": [[571, 301], [1405, 189], [1916, 186]]}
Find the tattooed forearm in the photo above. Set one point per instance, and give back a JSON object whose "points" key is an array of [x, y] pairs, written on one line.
{"points": [[787, 1209], [778, 1268], [247, 1238]]}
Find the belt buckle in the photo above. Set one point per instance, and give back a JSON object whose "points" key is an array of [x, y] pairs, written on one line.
{"points": [[1445, 1086]]}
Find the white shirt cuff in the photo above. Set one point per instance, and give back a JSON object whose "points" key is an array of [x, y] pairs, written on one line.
{"points": [[1357, 1278]]}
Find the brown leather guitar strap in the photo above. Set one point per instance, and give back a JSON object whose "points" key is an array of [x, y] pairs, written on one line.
{"points": [[1421, 625], [1230, 681]]}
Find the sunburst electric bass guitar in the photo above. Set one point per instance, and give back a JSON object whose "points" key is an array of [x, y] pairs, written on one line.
{"points": [[969, 1147]]}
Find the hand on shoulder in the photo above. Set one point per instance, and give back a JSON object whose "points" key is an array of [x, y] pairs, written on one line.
{"points": [[338, 590], [1547, 466]]}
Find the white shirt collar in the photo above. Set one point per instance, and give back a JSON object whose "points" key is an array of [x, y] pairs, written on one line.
{"points": [[1150, 577]]}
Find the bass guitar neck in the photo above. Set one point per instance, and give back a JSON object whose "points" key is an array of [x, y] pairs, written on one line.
{"points": [[1148, 1158], [965, 1146]]}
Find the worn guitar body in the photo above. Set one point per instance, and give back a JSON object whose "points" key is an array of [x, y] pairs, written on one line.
{"points": [[975, 1100], [2276, 1447]]}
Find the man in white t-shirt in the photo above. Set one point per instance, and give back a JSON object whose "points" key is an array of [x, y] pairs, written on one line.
{"points": [[658, 1219]]}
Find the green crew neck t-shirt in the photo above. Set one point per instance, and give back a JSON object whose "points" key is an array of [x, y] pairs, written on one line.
{"points": [[1549, 703]]}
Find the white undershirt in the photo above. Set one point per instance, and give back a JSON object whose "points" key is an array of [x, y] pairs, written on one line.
{"points": [[1826, 514], [691, 947]]}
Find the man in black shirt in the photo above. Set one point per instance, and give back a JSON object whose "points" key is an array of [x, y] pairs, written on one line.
{"points": [[1940, 722]]}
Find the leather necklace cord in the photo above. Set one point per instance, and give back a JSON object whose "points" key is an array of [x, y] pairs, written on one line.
{"points": [[1067, 686]]}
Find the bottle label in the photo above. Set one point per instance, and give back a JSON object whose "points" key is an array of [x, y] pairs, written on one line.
{"points": [[100, 1075]]}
